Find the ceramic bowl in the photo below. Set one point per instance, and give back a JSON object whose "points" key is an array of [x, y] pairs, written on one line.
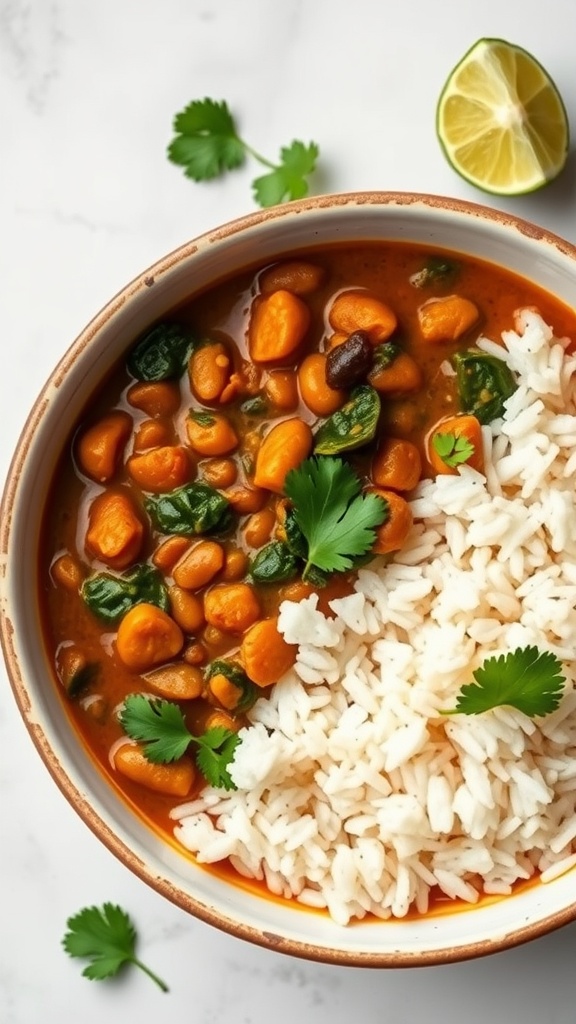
{"points": [[263, 236]]}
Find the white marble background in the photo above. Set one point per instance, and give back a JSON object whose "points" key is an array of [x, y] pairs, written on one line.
{"points": [[87, 200]]}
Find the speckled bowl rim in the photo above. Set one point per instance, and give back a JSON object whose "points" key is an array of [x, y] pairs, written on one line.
{"points": [[142, 864]]}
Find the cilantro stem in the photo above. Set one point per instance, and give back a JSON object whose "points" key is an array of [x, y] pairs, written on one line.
{"points": [[138, 963], [257, 156]]}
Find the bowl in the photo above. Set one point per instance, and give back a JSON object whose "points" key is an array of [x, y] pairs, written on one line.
{"points": [[438, 937]]}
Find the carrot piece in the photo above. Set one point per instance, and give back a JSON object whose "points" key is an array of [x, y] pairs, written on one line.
{"points": [[199, 565], [401, 375], [209, 371], [465, 426], [316, 393], [447, 318], [146, 637], [231, 607], [99, 449], [160, 469], [265, 654], [359, 310], [115, 532], [284, 448], [396, 464], [224, 691], [175, 779], [211, 433], [278, 325], [392, 534], [155, 398]]}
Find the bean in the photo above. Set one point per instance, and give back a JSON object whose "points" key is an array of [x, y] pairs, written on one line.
{"points": [[317, 393], [100, 448], [187, 609], [259, 527], [158, 398], [348, 363], [199, 565]]}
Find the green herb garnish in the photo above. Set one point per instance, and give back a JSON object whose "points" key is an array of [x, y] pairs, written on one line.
{"points": [[106, 936], [160, 726], [335, 518], [453, 449], [526, 679], [207, 144]]}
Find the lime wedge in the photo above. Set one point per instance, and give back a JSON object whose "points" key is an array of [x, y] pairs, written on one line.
{"points": [[501, 120]]}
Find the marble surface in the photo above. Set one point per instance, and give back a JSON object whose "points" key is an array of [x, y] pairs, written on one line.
{"points": [[87, 198]]}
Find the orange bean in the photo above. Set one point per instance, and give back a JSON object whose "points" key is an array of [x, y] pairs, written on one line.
{"points": [[199, 565], [99, 449], [284, 448], [458, 426], [235, 565], [281, 389], [259, 527], [265, 654], [186, 609], [195, 654], [151, 434], [278, 326], [219, 472], [155, 398], [295, 276], [392, 533], [211, 433], [396, 464], [401, 375], [176, 682], [115, 532], [221, 720], [160, 469], [175, 779], [359, 310], [146, 637], [67, 572], [209, 370], [223, 691], [320, 398], [447, 318], [245, 500], [169, 552], [231, 607]]}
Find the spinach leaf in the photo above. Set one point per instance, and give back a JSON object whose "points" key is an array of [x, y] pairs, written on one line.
{"points": [[256, 406], [484, 383], [109, 597], [351, 426], [191, 509], [436, 269], [273, 563], [160, 354]]}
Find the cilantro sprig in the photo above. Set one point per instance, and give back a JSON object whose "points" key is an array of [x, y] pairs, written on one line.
{"points": [[160, 726], [527, 679], [207, 144], [453, 449], [105, 936], [337, 521]]}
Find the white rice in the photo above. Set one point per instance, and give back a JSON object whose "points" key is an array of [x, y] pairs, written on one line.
{"points": [[354, 793]]}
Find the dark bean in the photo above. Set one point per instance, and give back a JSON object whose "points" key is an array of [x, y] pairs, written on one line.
{"points": [[348, 363]]}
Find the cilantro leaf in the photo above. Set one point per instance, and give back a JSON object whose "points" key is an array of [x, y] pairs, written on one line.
{"points": [[453, 449], [206, 142], [527, 679], [288, 179], [106, 936], [160, 726], [336, 520]]}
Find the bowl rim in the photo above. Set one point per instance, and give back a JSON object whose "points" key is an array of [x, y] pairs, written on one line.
{"points": [[140, 284]]}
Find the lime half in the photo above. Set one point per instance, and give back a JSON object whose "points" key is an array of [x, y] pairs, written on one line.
{"points": [[501, 120]]}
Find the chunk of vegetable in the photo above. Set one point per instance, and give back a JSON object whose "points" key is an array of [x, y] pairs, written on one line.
{"points": [[115, 531], [274, 563], [176, 682], [219, 472], [211, 433], [321, 398], [352, 426], [484, 383], [99, 448], [146, 637], [444, 451], [396, 464], [160, 469], [359, 310], [281, 389], [392, 534], [265, 654], [230, 686], [283, 448], [394, 371], [191, 509], [278, 326], [447, 318], [160, 354], [110, 597], [231, 607], [155, 398], [175, 779], [209, 371]]}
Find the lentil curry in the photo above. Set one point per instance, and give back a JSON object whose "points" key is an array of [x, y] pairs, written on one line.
{"points": [[170, 540]]}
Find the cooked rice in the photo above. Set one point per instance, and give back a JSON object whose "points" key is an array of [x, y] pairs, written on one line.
{"points": [[354, 792]]}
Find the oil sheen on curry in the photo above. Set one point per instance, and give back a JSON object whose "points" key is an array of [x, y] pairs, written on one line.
{"points": [[185, 510]]}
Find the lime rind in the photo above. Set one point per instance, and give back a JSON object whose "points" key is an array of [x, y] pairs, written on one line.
{"points": [[501, 121]]}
